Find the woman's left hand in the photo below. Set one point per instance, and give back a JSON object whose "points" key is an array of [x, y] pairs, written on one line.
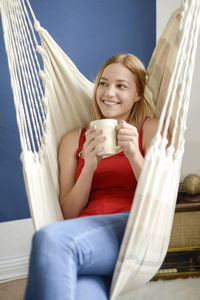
{"points": [[127, 138]]}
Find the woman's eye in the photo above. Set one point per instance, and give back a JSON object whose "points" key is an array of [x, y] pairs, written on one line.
{"points": [[102, 83], [121, 86]]}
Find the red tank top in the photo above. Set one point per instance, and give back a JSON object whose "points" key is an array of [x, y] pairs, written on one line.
{"points": [[113, 184]]}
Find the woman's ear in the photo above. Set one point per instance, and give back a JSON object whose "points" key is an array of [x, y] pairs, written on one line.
{"points": [[137, 98]]}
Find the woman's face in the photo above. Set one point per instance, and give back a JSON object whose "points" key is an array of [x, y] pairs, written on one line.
{"points": [[117, 92]]}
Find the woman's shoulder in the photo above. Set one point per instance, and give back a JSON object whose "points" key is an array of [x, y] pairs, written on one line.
{"points": [[70, 140], [70, 135], [149, 131], [151, 125]]}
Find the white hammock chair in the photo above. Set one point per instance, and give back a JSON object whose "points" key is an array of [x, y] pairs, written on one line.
{"points": [[47, 109]]}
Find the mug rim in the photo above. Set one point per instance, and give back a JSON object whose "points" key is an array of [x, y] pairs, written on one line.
{"points": [[105, 120]]}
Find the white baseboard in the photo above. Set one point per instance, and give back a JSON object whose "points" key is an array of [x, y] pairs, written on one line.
{"points": [[15, 239]]}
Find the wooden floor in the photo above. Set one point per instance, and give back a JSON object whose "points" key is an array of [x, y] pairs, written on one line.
{"points": [[12, 290]]}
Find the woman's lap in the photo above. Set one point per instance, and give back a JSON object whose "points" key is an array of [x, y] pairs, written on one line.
{"points": [[96, 240], [81, 246]]}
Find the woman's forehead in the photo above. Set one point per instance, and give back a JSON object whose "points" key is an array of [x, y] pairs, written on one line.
{"points": [[118, 72]]}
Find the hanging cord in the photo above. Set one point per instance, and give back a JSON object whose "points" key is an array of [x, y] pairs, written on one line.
{"points": [[24, 68], [187, 80], [176, 82], [187, 70], [15, 80], [27, 84]]}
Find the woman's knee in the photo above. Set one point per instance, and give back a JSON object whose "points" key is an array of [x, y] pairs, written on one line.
{"points": [[54, 238], [43, 240]]}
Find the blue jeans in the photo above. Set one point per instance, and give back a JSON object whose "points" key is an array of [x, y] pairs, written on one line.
{"points": [[74, 259]]}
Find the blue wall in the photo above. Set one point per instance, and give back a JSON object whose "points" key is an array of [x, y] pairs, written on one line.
{"points": [[89, 31]]}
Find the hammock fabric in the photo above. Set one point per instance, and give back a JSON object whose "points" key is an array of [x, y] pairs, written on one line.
{"points": [[53, 101]]}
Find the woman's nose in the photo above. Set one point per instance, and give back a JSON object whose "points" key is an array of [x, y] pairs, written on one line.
{"points": [[110, 91]]}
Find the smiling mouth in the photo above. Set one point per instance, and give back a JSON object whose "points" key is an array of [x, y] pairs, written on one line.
{"points": [[110, 103]]}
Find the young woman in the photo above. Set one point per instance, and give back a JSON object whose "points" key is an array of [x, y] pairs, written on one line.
{"points": [[75, 258]]}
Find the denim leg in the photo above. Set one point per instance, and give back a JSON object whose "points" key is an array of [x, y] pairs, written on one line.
{"points": [[64, 250], [90, 287]]}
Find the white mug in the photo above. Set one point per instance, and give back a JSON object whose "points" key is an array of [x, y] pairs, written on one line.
{"points": [[109, 130]]}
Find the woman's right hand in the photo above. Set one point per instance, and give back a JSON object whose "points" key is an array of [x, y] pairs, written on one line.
{"points": [[92, 146]]}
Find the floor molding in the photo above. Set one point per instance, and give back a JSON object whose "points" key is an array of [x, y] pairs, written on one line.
{"points": [[15, 247]]}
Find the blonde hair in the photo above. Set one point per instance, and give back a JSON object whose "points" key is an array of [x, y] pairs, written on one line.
{"points": [[141, 109]]}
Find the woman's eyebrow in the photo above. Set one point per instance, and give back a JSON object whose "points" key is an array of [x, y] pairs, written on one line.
{"points": [[122, 80], [118, 80]]}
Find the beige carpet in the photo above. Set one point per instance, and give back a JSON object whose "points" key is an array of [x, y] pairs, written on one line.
{"points": [[177, 289]]}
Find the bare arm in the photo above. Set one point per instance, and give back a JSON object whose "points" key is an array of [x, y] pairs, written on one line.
{"points": [[128, 139], [71, 200], [73, 196]]}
